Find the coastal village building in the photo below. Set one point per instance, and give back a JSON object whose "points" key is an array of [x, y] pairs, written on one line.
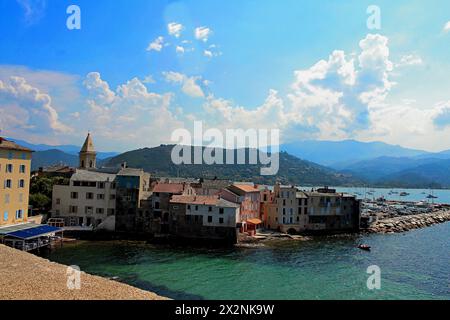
{"points": [[204, 217], [249, 198], [88, 200], [332, 211], [321, 210], [92, 197], [162, 193], [15, 165], [132, 189], [16, 230], [288, 211], [54, 171]]}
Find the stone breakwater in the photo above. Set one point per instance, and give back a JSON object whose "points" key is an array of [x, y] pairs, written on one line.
{"points": [[407, 223]]}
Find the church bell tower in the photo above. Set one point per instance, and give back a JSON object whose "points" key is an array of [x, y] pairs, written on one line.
{"points": [[88, 156]]}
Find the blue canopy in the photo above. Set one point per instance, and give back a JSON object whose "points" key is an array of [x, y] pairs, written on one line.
{"points": [[34, 232]]}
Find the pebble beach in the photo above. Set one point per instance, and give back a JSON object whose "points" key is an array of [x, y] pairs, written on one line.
{"points": [[28, 277]]}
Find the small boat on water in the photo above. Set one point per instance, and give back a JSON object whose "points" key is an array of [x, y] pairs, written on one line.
{"points": [[430, 196], [404, 194], [364, 247]]}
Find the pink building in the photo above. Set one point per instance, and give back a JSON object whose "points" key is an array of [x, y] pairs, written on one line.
{"points": [[249, 199]]}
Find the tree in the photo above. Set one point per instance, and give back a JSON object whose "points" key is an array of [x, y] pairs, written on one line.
{"points": [[40, 201]]}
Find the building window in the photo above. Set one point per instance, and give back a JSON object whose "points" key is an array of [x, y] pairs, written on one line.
{"points": [[189, 207], [22, 168], [77, 183], [100, 211], [9, 168], [209, 219], [74, 195], [21, 183], [58, 201], [88, 210], [73, 209], [196, 208], [5, 216], [89, 195], [19, 214], [209, 209], [284, 210], [221, 210], [220, 220], [100, 196], [8, 184], [101, 185]]}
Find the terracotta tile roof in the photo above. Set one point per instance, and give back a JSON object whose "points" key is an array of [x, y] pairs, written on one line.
{"points": [[11, 145], [203, 200], [245, 187], [173, 188]]}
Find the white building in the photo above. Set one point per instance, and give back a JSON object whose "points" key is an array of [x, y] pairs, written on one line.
{"points": [[90, 198], [212, 211], [87, 201]]}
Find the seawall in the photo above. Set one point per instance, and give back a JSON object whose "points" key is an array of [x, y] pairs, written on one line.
{"points": [[407, 223]]}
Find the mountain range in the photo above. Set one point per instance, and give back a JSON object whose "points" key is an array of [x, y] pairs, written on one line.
{"points": [[68, 149], [333, 163], [291, 169], [341, 153]]}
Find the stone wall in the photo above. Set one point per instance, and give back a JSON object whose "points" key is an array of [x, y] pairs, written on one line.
{"points": [[406, 223]]}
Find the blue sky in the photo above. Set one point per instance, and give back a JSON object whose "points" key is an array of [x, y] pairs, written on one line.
{"points": [[313, 69]]}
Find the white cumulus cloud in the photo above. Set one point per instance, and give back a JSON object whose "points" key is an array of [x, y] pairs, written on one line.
{"points": [[447, 27], [24, 107], [189, 85], [156, 45], [175, 29], [202, 33]]}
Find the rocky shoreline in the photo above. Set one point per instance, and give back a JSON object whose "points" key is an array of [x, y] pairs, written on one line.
{"points": [[407, 223]]}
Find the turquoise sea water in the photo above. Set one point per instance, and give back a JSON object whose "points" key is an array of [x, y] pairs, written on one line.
{"points": [[414, 265]]}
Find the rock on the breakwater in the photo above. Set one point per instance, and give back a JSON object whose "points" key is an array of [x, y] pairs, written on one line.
{"points": [[406, 223]]}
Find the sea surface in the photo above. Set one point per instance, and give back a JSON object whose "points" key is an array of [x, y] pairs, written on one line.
{"points": [[414, 265], [443, 195]]}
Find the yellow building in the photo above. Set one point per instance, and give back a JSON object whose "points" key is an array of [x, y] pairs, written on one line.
{"points": [[15, 166]]}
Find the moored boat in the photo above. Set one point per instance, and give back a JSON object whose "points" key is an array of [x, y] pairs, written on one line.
{"points": [[364, 247]]}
